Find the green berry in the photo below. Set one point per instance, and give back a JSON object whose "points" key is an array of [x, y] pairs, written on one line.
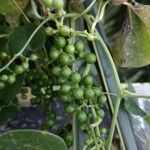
{"points": [[66, 98], [4, 77], [103, 131], [102, 99], [75, 77], [49, 31], [64, 59], [48, 3], [81, 116], [78, 93], [90, 58], [56, 71], [64, 30], [70, 109], [89, 93], [100, 113], [51, 116], [87, 80], [25, 65], [3, 55], [68, 138], [70, 49], [51, 123], [60, 42], [33, 57], [11, 79], [54, 54], [66, 72], [97, 91], [2, 85], [79, 46], [58, 4], [19, 69], [65, 88]]}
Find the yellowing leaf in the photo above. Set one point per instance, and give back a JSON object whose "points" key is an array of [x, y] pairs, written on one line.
{"points": [[132, 44]]}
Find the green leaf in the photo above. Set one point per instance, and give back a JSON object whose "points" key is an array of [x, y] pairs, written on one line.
{"points": [[11, 90], [132, 45], [11, 11], [132, 108], [20, 36], [7, 113], [31, 140]]}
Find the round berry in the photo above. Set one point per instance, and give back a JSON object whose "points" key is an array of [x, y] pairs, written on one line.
{"points": [[68, 137], [54, 54], [65, 88], [64, 59], [48, 3], [70, 49], [103, 130], [97, 91], [33, 57], [66, 72], [66, 98], [88, 93], [51, 123], [56, 71], [60, 42], [58, 4], [100, 113], [70, 109], [78, 93], [49, 31], [87, 80], [102, 99], [19, 69], [11, 79], [2, 85], [75, 77], [4, 77], [79, 46], [81, 116], [3, 55], [25, 65], [64, 30], [90, 58]]}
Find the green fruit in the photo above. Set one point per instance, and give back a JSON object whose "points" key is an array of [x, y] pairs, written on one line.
{"points": [[70, 109], [48, 3], [4, 77], [11, 79], [66, 98], [68, 138], [58, 4], [75, 77], [90, 58], [79, 46], [89, 93], [64, 30], [66, 72], [60, 42], [65, 88], [97, 91], [103, 131], [49, 31], [56, 71], [64, 59], [51, 123], [52, 116], [2, 85], [54, 54], [19, 69], [87, 80], [102, 99], [33, 57], [100, 113], [3, 55], [81, 116], [78, 93], [70, 49], [25, 65]]}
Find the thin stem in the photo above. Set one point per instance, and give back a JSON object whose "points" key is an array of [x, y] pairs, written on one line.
{"points": [[34, 8], [113, 124], [87, 69], [4, 35], [24, 47], [128, 94], [21, 11]]}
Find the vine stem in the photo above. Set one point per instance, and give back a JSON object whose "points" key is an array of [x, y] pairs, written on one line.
{"points": [[24, 47]]}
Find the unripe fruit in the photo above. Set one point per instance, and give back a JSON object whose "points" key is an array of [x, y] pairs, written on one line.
{"points": [[90, 58], [70, 49], [65, 88], [33, 57], [102, 99], [48, 3], [25, 65], [75, 77], [4, 77], [56, 71], [19, 69], [60, 42], [79, 46], [64, 30], [87, 80], [11, 79], [2, 85], [97, 91], [66, 72], [58, 4], [89, 93], [78, 93], [49, 31], [54, 54], [3, 55], [64, 59], [70, 109], [81, 116]]}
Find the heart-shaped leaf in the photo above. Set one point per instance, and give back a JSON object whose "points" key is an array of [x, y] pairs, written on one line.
{"points": [[132, 44], [31, 140]]}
